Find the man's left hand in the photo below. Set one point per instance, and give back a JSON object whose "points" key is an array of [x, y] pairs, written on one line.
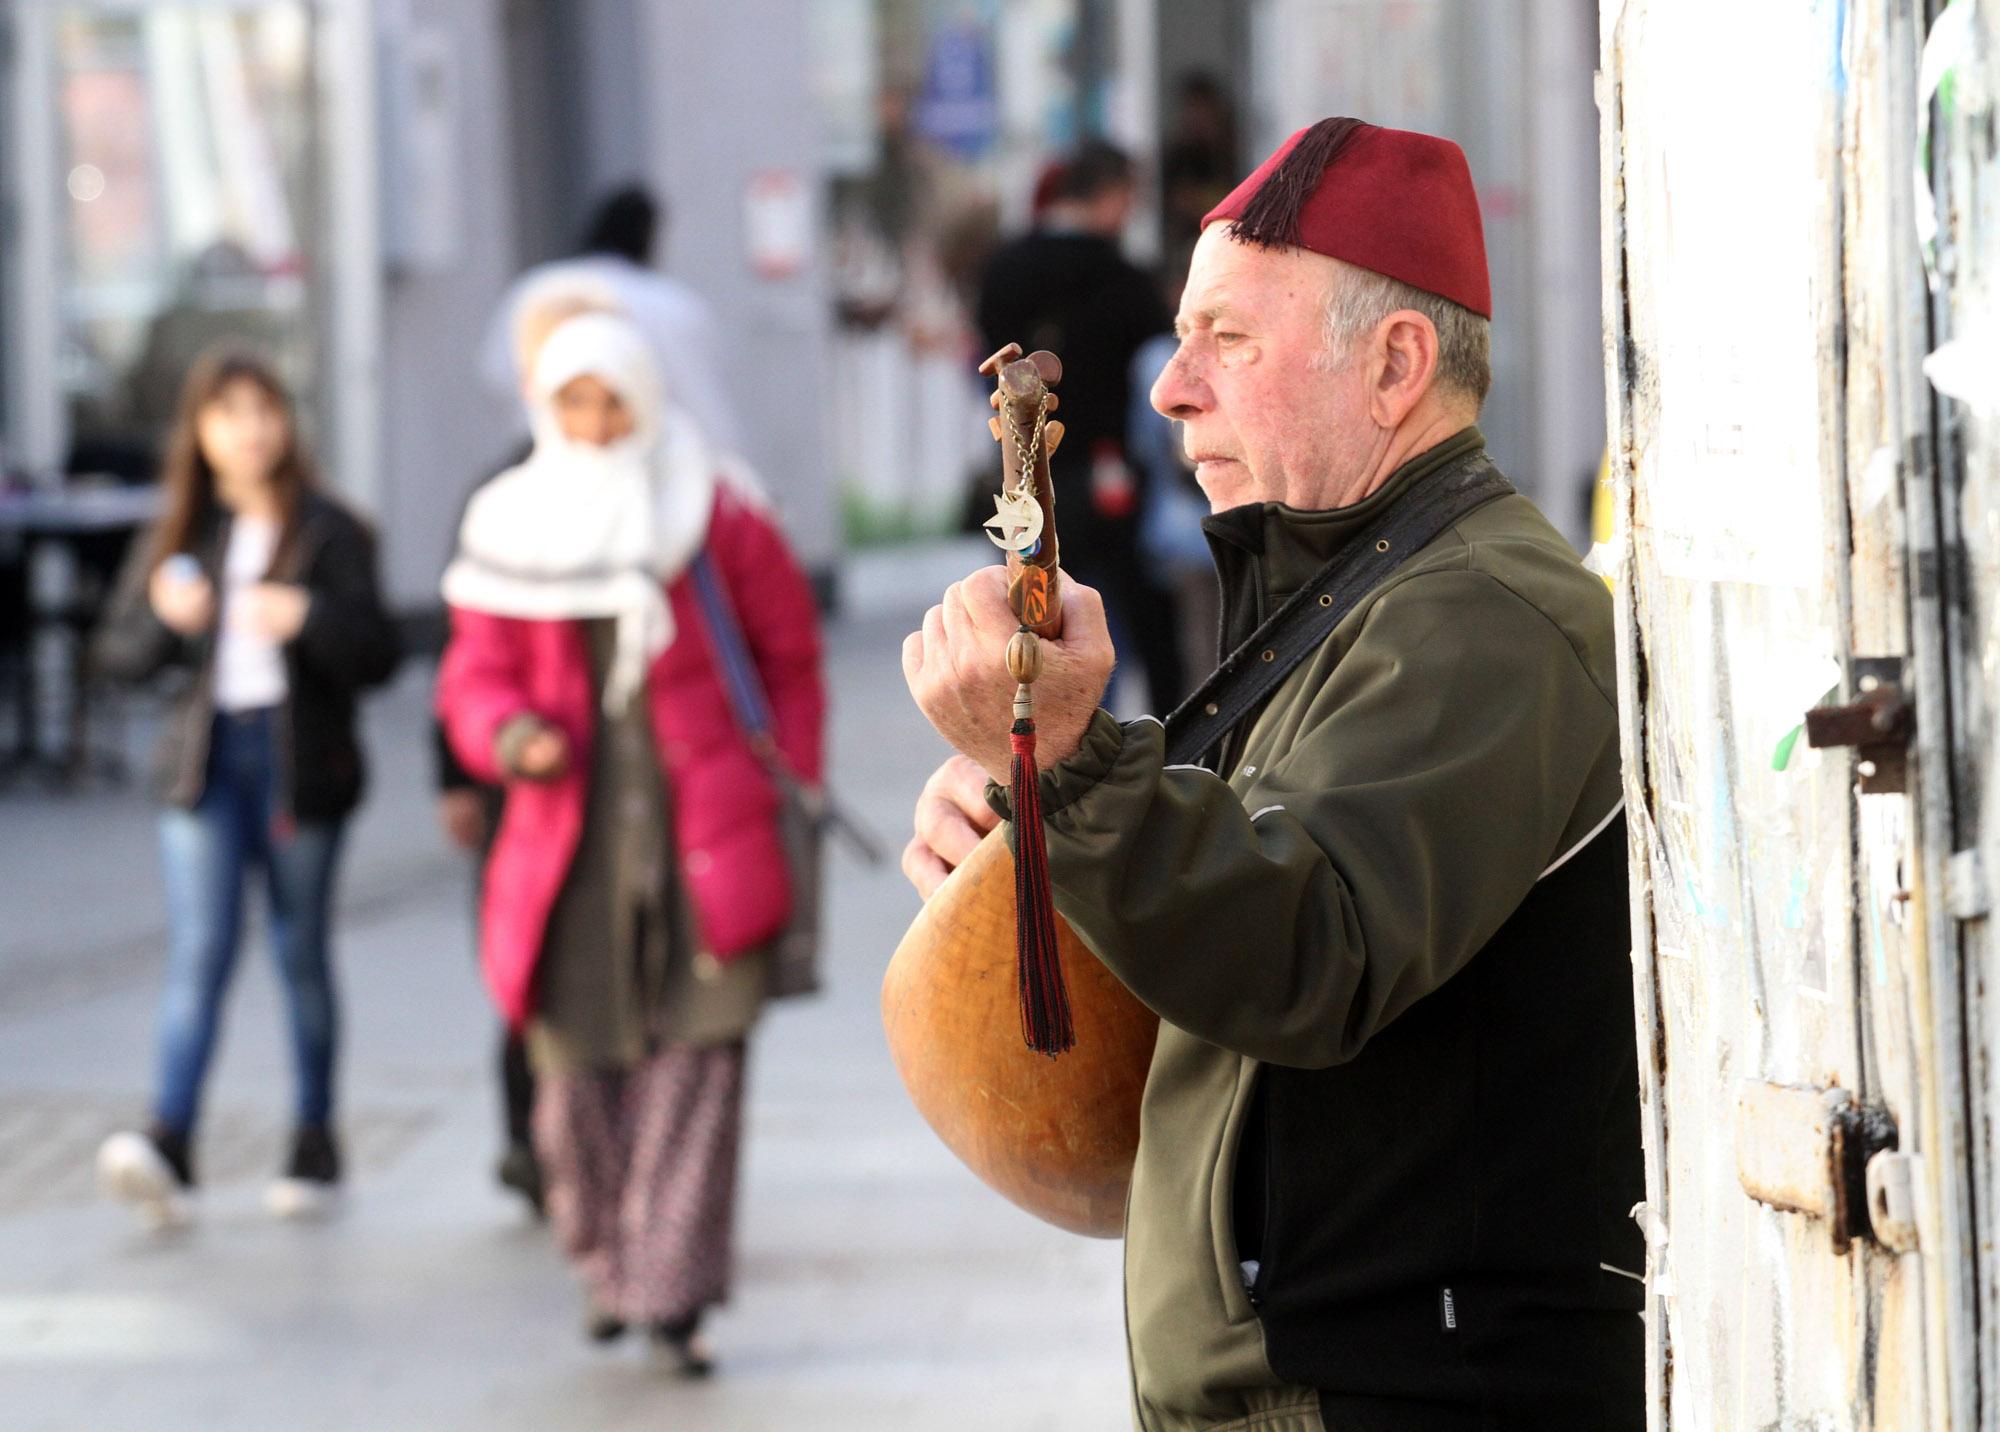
{"points": [[957, 671]]}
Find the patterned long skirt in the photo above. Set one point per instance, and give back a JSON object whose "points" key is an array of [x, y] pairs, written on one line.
{"points": [[640, 1166]]}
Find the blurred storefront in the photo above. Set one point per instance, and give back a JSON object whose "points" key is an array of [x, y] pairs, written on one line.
{"points": [[939, 114], [184, 139], [352, 183]]}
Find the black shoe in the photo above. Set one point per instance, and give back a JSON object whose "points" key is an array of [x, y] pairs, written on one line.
{"points": [[682, 1342], [173, 1147], [310, 1184], [603, 1327], [521, 1171]]}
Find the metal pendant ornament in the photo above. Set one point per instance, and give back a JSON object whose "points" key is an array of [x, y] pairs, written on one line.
{"points": [[1016, 523]]}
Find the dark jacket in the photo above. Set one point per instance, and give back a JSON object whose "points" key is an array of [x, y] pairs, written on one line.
{"points": [[1391, 1132], [348, 643]]}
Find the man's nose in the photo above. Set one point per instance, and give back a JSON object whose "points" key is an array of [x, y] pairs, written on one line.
{"points": [[1178, 393]]}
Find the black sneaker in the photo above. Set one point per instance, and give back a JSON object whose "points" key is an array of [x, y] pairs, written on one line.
{"points": [[600, 1327], [521, 1171], [310, 1185], [153, 1171], [686, 1349]]}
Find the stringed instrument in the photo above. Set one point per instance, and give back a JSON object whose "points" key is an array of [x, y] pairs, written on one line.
{"points": [[1040, 1100]]}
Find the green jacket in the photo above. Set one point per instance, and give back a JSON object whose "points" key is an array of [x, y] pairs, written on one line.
{"points": [[1390, 1133]]}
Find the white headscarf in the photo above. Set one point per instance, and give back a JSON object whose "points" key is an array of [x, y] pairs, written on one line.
{"points": [[676, 322], [580, 530]]}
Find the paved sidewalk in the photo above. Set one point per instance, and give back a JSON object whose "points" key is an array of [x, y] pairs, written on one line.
{"points": [[880, 1287]]}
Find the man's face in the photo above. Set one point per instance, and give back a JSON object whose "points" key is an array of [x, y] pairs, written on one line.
{"points": [[1264, 420]]}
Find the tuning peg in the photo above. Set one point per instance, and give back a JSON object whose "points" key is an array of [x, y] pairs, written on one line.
{"points": [[993, 427], [993, 399], [1054, 402], [999, 360], [1052, 437]]}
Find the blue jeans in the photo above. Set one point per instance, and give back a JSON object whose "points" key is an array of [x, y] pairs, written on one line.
{"points": [[208, 853]]}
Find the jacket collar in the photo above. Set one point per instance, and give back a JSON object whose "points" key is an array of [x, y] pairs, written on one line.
{"points": [[1265, 551]]}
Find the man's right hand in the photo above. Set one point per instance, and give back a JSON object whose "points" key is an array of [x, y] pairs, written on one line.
{"points": [[952, 818]]}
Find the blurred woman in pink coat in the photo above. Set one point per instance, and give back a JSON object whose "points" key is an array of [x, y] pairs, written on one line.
{"points": [[638, 875]]}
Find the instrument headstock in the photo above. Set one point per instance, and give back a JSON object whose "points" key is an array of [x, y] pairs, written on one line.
{"points": [[1025, 522]]}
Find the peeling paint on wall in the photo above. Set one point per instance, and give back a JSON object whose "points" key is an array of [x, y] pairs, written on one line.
{"points": [[1779, 518]]}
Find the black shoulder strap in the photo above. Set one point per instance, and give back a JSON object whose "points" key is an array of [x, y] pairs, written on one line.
{"points": [[1249, 674]]}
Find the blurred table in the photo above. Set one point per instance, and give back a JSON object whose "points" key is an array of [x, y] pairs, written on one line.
{"points": [[79, 518]]}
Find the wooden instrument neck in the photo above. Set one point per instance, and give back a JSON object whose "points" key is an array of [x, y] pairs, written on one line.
{"points": [[1025, 400]]}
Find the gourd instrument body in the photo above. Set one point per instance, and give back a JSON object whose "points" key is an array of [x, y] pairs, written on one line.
{"points": [[1057, 1136]]}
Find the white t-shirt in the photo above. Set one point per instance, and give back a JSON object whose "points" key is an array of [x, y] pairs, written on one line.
{"points": [[249, 669]]}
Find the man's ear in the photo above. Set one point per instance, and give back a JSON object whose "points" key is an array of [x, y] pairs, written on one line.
{"points": [[1407, 350]]}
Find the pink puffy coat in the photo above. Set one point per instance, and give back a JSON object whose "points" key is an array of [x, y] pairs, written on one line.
{"points": [[725, 806]]}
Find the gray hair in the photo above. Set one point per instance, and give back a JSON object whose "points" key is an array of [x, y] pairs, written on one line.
{"points": [[1358, 299]]}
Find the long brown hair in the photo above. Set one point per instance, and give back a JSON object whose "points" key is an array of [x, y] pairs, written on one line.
{"points": [[187, 480]]}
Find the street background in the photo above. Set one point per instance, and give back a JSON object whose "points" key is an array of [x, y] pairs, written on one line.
{"points": [[353, 185], [881, 1285]]}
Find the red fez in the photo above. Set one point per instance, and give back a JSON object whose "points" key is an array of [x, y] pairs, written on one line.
{"points": [[1397, 203]]}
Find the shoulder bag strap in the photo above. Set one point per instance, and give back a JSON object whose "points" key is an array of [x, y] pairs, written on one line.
{"points": [[1249, 674]]}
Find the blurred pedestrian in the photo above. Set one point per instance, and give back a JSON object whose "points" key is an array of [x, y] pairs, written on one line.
{"points": [[259, 590], [1170, 532], [1066, 286], [1198, 164], [616, 258], [604, 593]]}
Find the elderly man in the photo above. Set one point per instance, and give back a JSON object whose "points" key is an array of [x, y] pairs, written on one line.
{"points": [[1390, 1136]]}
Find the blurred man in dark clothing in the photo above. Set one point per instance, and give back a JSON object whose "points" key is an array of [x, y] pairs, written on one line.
{"points": [[1065, 286], [470, 814]]}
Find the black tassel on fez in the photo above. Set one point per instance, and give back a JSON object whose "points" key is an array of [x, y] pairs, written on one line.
{"points": [[1271, 218]]}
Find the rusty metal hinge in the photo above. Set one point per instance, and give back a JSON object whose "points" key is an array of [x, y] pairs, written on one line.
{"points": [[1807, 1151], [1895, 1194], [1879, 723]]}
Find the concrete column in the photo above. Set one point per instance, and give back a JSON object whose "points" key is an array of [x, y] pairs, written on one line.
{"points": [[441, 429], [1568, 437], [37, 428], [352, 345], [730, 98]]}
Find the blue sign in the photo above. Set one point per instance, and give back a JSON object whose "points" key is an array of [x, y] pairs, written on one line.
{"points": [[959, 108]]}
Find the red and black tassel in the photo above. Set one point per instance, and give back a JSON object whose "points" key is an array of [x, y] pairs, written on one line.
{"points": [[1045, 1012]]}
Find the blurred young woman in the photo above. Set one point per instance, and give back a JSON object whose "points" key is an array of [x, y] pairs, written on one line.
{"points": [[638, 874], [259, 591]]}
